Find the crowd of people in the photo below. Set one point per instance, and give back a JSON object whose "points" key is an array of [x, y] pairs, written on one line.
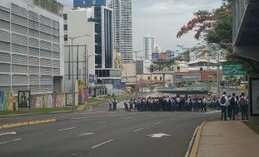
{"points": [[232, 106], [167, 103]]}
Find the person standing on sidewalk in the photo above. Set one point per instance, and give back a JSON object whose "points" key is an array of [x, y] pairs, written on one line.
{"points": [[233, 106], [178, 103], [110, 105], [243, 102], [229, 108], [223, 104], [204, 105], [237, 107], [114, 104]]}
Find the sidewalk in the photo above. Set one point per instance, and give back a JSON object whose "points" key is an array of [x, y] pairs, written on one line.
{"points": [[228, 139]]}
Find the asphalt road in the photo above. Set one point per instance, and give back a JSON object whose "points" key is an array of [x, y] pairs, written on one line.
{"points": [[105, 134]]}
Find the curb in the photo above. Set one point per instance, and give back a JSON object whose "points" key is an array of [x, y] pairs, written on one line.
{"points": [[33, 114], [26, 123], [195, 141]]}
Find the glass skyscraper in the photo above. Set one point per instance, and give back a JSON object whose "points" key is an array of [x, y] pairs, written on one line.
{"points": [[122, 28], [89, 3], [103, 37]]}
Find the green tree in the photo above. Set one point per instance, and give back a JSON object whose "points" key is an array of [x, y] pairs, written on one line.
{"points": [[221, 32], [216, 26]]}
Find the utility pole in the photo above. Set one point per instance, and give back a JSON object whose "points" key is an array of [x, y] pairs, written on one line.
{"points": [[87, 63], [73, 81], [77, 62], [218, 74]]}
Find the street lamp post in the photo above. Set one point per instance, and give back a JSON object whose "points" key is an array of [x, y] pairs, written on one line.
{"points": [[218, 73], [71, 52], [218, 51]]}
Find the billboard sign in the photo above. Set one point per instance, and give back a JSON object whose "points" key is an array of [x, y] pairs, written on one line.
{"points": [[89, 3], [155, 56], [24, 99], [92, 78], [233, 69]]}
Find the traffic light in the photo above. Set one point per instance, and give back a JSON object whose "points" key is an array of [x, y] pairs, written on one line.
{"points": [[151, 68]]}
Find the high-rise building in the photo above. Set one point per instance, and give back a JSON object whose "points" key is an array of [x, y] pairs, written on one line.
{"points": [[149, 47], [88, 3], [103, 37], [122, 28], [79, 37], [104, 70], [115, 5], [31, 51], [101, 19]]}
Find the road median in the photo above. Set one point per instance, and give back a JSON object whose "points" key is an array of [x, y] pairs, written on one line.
{"points": [[27, 123]]}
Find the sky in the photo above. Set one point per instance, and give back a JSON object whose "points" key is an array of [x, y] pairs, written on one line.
{"points": [[162, 19]]}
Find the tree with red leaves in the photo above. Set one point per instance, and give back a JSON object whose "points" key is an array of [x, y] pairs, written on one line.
{"points": [[216, 25], [202, 20]]}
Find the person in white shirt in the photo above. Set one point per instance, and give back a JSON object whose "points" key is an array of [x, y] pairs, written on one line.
{"points": [[223, 101]]}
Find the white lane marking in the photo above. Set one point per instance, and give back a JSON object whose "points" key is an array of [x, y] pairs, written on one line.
{"points": [[10, 141], [86, 134], [212, 112], [102, 122], [66, 129], [78, 118], [139, 129], [8, 133], [129, 118], [159, 135], [101, 144], [157, 123]]}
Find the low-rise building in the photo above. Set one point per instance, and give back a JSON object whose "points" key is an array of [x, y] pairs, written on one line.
{"points": [[156, 77]]}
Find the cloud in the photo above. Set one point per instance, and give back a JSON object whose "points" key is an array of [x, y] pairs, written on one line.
{"points": [[163, 18]]}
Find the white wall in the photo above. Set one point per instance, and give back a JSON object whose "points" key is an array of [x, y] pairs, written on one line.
{"points": [[78, 26], [129, 72]]}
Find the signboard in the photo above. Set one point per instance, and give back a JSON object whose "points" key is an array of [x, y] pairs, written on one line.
{"points": [[254, 96], [155, 56], [24, 99], [92, 78], [233, 69]]}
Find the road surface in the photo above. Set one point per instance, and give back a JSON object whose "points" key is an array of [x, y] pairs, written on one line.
{"points": [[105, 134]]}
